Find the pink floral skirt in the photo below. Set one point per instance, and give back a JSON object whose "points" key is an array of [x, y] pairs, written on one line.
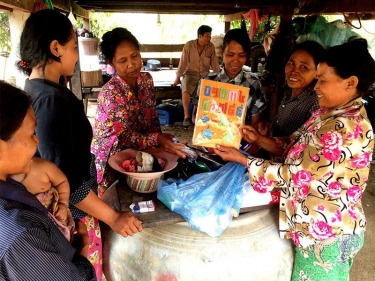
{"points": [[95, 255]]}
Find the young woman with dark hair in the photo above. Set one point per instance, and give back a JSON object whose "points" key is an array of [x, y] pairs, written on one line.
{"points": [[48, 50]]}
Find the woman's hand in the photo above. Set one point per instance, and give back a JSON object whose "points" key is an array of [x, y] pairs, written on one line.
{"points": [[80, 239], [125, 224], [166, 141], [263, 128], [230, 154], [250, 134]]}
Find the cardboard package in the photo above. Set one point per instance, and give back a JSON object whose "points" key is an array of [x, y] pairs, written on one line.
{"points": [[220, 114]]}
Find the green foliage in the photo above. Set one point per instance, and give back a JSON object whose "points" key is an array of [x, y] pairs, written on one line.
{"points": [[174, 29], [5, 42], [79, 22], [100, 23], [260, 32]]}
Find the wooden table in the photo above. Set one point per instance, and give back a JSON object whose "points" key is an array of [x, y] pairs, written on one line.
{"points": [[163, 80], [119, 196]]}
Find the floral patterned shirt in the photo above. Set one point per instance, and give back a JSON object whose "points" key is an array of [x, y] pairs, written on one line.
{"points": [[323, 176], [124, 119]]}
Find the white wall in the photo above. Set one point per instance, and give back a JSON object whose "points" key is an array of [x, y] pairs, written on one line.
{"points": [[16, 21]]}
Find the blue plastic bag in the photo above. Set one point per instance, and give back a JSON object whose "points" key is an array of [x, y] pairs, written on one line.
{"points": [[207, 201]]}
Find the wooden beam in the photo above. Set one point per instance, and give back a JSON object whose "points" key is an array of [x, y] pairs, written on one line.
{"points": [[337, 6], [28, 6], [227, 26], [362, 16], [204, 7], [65, 5], [233, 17], [160, 48], [5, 9], [23, 5], [79, 11]]}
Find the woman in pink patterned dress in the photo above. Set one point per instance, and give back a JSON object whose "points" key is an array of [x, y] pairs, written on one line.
{"points": [[325, 169], [126, 115]]}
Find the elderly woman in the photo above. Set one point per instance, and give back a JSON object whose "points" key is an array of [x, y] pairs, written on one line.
{"points": [[299, 100], [325, 168], [32, 247], [126, 116]]}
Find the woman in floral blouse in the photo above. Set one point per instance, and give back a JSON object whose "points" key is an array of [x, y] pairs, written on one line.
{"points": [[126, 115], [325, 169]]}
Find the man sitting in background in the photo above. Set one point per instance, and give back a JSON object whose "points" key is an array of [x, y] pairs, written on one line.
{"points": [[197, 57]]}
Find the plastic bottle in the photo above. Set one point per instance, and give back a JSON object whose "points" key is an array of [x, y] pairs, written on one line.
{"points": [[170, 63]]}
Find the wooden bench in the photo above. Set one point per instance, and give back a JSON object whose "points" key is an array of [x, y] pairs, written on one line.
{"points": [[146, 49]]}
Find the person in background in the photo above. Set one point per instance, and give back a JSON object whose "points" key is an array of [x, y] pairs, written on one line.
{"points": [[32, 247], [325, 168], [236, 51], [49, 51], [126, 115], [197, 57], [51, 187], [299, 100]]}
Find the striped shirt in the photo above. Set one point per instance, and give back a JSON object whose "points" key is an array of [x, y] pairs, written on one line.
{"points": [[31, 245]]}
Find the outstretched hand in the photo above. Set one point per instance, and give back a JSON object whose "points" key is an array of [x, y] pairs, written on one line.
{"points": [[126, 224], [250, 134], [166, 141], [263, 128], [230, 154]]}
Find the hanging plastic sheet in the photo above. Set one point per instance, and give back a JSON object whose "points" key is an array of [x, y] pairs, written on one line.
{"points": [[328, 34]]}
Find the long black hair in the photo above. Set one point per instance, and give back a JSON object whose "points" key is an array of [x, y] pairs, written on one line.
{"points": [[41, 28]]}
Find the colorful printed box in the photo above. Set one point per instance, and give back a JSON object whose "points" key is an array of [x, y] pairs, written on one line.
{"points": [[142, 207], [220, 114]]}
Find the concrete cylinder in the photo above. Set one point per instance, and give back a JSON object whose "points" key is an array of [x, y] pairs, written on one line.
{"points": [[250, 249]]}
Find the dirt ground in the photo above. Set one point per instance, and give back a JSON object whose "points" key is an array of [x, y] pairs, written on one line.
{"points": [[364, 263]]}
